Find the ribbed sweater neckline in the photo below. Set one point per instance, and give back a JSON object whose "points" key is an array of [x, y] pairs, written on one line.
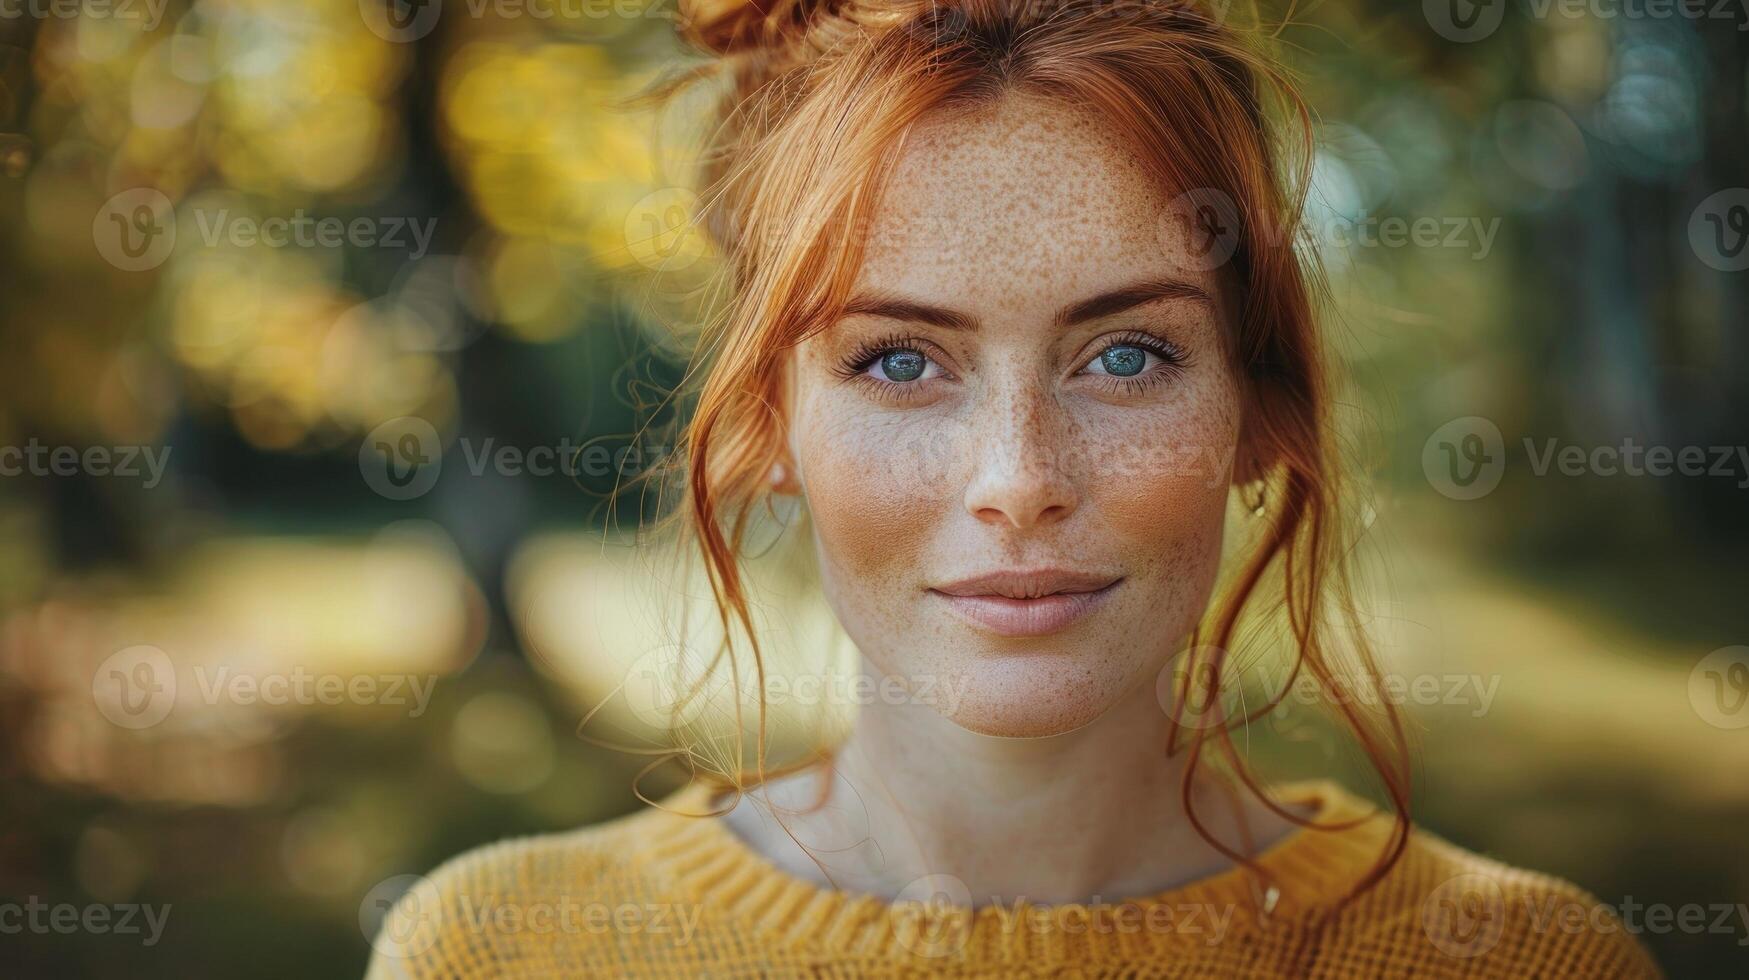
{"points": [[1314, 867]]}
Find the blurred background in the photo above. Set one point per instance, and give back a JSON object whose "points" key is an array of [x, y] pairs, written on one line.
{"points": [[334, 336]]}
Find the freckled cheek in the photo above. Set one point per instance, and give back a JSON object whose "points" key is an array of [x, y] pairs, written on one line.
{"points": [[866, 478], [1163, 484]]}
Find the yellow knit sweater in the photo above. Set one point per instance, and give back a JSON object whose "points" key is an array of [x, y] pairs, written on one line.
{"points": [[662, 894]]}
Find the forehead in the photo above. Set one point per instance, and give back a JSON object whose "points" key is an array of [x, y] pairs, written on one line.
{"points": [[1020, 204]]}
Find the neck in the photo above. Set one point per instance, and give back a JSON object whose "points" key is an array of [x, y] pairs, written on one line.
{"points": [[1093, 814]]}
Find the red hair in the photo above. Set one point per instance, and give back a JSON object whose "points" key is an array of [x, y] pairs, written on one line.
{"points": [[821, 93]]}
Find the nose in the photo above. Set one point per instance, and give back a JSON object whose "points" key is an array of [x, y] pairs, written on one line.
{"points": [[1022, 477]]}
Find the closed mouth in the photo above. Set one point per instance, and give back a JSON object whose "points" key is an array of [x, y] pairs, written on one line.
{"points": [[1027, 603]]}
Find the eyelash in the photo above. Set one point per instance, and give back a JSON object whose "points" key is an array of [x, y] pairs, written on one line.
{"points": [[1173, 360], [855, 367]]}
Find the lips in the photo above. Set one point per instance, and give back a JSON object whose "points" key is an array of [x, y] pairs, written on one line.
{"points": [[1027, 603]]}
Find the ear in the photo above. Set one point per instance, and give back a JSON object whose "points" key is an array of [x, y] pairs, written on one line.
{"points": [[784, 476], [1247, 468], [783, 479]]}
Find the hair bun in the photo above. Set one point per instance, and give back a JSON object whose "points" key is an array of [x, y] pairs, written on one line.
{"points": [[734, 26]]}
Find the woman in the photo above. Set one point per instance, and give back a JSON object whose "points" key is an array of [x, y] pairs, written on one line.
{"points": [[1017, 312]]}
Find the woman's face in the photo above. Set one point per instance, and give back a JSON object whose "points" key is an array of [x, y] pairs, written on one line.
{"points": [[1017, 446]]}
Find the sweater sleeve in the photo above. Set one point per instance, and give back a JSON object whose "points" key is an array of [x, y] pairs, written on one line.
{"points": [[1456, 914], [426, 932], [518, 907]]}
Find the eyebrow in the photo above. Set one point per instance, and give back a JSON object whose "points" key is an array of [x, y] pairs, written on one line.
{"points": [[1094, 308]]}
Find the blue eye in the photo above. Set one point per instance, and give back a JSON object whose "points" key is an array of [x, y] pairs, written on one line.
{"points": [[903, 365], [1136, 359], [895, 361], [1124, 360]]}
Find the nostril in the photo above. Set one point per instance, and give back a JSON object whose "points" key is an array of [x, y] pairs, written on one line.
{"points": [[1021, 488], [1022, 514]]}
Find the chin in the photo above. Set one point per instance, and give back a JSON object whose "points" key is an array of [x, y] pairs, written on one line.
{"points": [[1036, 695]]}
